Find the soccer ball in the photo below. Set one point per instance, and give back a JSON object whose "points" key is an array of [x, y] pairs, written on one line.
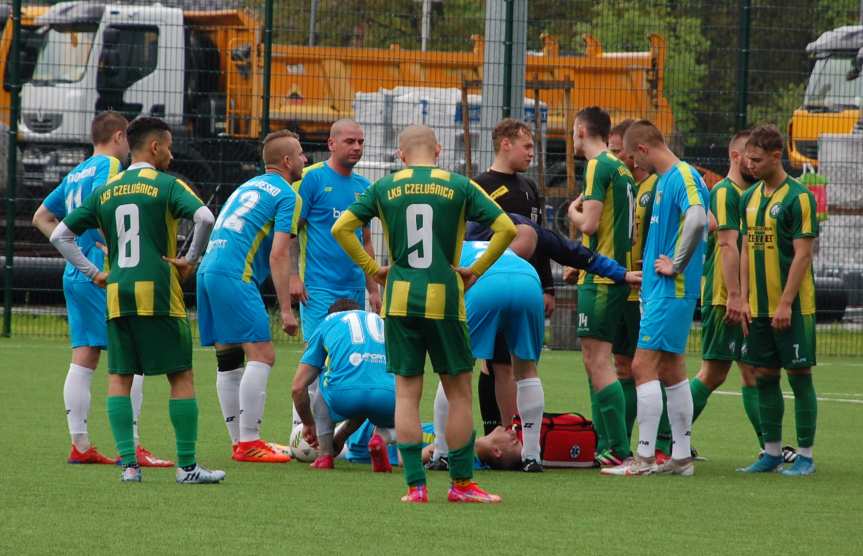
{"points": [[300, 449]]}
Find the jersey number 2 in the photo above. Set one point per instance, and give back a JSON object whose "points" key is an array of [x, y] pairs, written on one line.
{"points": [[234, 221], [419, 227], [128, 224]]}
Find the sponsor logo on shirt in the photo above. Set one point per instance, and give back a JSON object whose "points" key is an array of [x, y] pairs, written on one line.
{"points": [[356, 358], [83, 174], [775, 210]]}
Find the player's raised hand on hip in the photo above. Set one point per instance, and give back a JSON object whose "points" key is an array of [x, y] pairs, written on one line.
{"points": [[633, 277], [467, 276], [381, 275], [375, 301], [290, 326], [664, 266], [570, 275], [101, 279], [184, 267], [297, 289]]}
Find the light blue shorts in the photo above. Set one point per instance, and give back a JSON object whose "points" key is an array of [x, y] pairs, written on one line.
{"points": [[511, 304], [378, 405], [314, 311], [665, 324], [230, 311], [85, 308]]}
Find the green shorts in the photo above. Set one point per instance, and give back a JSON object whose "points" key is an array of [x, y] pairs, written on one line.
{"points": [[720, 341], [792, 348], [626, 338], [409, 338], [149, 345], [600, 310]]}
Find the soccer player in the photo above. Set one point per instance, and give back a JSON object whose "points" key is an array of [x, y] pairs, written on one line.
{"points": [[722, 326], [675, 245], [85, 302], [252, 239], [603, 214], [138, 212], [507, 301], [626, 337], [423, 210], [323, 273], [346, 356], [516, 194], [779, 227]]}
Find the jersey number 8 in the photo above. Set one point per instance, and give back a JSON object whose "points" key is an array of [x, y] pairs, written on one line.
{"points": [[128, 226]]}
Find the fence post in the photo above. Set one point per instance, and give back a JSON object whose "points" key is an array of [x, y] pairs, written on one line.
{"points": [[12, 165], [743, 64], [268, 59], [507, 58]]}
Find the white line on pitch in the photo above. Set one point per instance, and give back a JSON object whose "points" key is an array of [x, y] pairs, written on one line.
{"points": [[791, 397]]}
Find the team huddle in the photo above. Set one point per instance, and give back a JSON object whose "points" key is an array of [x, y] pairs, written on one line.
{"points": [[468, 277]]}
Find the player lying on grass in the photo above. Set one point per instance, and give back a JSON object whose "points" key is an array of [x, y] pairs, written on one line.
{"points": [[423, 210], [85, 301], [252, 240], [148, 331], [346, 356], [507, 300]]}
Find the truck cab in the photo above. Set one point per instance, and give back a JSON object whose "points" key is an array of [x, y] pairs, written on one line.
{"points": [[136, 60], [833, 94]]}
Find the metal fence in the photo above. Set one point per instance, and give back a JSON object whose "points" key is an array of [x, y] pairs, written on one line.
{"points": [[225, 72]]}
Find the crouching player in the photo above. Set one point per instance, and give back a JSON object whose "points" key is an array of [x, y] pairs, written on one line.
{"points": [[348, 347]]}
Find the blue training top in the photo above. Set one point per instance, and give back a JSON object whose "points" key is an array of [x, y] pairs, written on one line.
{"points": [[72, 191]]}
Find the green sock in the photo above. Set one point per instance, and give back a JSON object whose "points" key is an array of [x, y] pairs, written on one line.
{"points": [[700, 393], [631, 397], [120, 417], [750, 406], [184, 417], [412, 456], [805, 409], [663, 434], [598, 424], [771, 408], [461, 461], [612, 405]]}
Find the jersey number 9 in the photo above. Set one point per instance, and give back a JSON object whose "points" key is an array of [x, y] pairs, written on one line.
{"points": [[419, 228]]}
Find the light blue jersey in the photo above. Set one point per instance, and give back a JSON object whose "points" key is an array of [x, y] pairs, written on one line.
{"points": [[326, 193], [243, 235], [678, 189], [69, 195], [508, 263], [349, 348]]}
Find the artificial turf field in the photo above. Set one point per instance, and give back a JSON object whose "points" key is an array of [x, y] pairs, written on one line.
{"points": [[51, 507]]}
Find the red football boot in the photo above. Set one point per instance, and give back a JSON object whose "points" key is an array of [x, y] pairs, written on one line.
{"points": [[416, 495], [471, 493], [379, 454], [147, 459], [323, 462], [91, 456]]}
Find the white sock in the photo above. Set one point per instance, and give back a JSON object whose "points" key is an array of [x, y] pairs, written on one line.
{"points": [[649, 413], [530, 400], [321, 414], [253, 395], [389, 435], [805, 452], [76, 397], [441, 412], [296, 417], [773, 448], [137, 395], [228, 388], [679, 406]]}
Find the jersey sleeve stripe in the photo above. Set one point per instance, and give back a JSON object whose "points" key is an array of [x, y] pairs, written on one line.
{"points": [[690, 184], [589, 176], [805, 213], [295, 217], [721, 209], [483, 191], [189, 189], [113, 167]]}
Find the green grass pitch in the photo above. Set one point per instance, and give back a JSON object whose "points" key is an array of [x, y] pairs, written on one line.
{"points": [[51, 507]]}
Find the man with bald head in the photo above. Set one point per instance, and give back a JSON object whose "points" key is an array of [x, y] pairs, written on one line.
{"points": [[423, 210], [323, 273], [252, 239]]}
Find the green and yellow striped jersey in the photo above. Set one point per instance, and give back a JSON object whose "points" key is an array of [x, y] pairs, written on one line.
{"points": [[725, 206], [423, 210], [643, 210], [771, 224], [608, 180], [138, 211]]}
